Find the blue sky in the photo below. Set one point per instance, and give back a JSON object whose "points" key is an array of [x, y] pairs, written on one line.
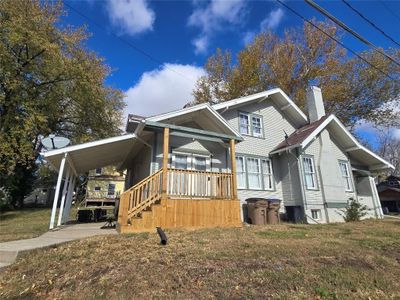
{"points": [[180, 35]]}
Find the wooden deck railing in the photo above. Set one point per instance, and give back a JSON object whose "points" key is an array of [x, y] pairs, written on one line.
{"points": [[199, 184], [189, 184], [143, 194]]}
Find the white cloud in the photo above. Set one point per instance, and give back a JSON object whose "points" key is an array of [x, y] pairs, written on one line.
{"points": [[213, 17], [270, 22], [131, 16], [273, 19], [162, 90]]}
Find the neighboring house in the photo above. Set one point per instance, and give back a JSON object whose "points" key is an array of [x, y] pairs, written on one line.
{"points": [[104, 186], [195, 167], [41, 196], [389, 193]]}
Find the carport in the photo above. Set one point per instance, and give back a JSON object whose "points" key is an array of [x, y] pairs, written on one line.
{"points": [[75, 160]]}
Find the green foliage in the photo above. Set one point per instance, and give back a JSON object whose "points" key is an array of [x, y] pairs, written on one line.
{"points": [[354, 211], [5, 199], [352, 89], [49, 83]]}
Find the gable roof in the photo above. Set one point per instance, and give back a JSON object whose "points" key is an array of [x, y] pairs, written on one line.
{"points": [[303, 136], [205, 108], [277, 95]]}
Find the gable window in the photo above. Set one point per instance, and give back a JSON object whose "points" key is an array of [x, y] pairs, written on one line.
{"points": [[241, 172], [98, 171], [309, 173], [267, 174], [250, 124], [244, 123], [344, 169], [256, 126]]}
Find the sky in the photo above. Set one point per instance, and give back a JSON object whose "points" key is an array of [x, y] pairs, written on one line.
{"points": [[157, 49]]}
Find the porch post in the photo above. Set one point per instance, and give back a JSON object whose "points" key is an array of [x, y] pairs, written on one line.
{"points": [[233, 169], [165, 162], [57, 192], [67, 182]]}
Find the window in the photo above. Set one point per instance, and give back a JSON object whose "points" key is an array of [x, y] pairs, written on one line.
{"points": [[199, 163], [253, 127], [257, 126], [241, 172], [267, 174], [191, 161], [98, 171], [254, 173], [181, 161], [309, 173], [344, 169], [316, 214], [111, 189], [97, 188], [244, 124]]}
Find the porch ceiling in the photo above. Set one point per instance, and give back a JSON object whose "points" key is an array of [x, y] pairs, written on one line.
{"points": [[92, 155]]}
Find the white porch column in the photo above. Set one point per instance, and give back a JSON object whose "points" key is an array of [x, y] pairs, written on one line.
{"points": [[67, 181], [68, 203], [57, 191], [375, 198]]}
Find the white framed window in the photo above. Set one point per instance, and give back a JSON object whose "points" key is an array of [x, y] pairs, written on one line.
{"points": [[267, 174], [241, 172], [256, 124], [316, 214], [309, 173], [344, 170], [199, 163], [98, 171], [189, 161], [244, 123], [97, 188], [254, 173], [250, 124], [180, 161]]}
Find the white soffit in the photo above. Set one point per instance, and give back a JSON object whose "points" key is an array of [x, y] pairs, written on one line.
{"points": [[91, 155]]}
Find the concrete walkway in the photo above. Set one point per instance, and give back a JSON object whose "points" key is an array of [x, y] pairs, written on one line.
{"points": [[9, 251]]}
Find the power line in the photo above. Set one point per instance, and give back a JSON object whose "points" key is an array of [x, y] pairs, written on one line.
{"points": [[332, 37], [370, 22], [349, 30], [134, 47], [389, 9]]}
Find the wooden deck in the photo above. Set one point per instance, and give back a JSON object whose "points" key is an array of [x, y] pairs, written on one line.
{"points": [[175, 198]]}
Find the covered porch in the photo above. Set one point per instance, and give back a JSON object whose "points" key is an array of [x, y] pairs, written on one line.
{"points": [[166, 196]]}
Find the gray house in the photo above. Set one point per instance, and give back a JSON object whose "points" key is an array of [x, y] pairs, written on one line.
{"points": [[195, 167]]}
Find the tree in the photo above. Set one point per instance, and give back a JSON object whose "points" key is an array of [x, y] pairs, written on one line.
{"points": [[49, 83], [352, 89], [389, 149]]}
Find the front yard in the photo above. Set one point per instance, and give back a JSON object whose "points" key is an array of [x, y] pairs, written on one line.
{"points": [[358, 260]]}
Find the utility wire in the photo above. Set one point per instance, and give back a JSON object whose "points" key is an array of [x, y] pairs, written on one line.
{"points": [[370, 22], [134, 47], [333, 38], [349, 30], [389, 9]]}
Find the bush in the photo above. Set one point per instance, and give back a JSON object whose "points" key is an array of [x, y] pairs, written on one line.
{"points": [[5, 199], [354, 211]]}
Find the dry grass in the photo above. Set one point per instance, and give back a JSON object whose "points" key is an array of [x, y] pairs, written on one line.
{"points": [[337, 261], [23, 224]]}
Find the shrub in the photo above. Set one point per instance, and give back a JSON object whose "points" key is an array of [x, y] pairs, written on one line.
{"points": [[354, 211], [5, 199]]}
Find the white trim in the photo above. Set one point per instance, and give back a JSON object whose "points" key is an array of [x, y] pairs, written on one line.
{"points": [[89, 145], [263, 95], [191, 109]]}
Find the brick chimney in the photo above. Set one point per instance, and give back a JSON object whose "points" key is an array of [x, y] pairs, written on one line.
{"points": [[315, 104]]}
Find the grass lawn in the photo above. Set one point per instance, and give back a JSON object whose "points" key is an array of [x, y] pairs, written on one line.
{"points": [[336, 261], [23, 224]]}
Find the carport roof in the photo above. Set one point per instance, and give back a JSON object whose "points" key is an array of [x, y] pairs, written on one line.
{"points": [[92, 155]]}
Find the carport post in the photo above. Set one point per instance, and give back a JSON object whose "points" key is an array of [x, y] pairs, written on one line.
{"points": [[67, 182], [57, 192], [69, 200]]}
